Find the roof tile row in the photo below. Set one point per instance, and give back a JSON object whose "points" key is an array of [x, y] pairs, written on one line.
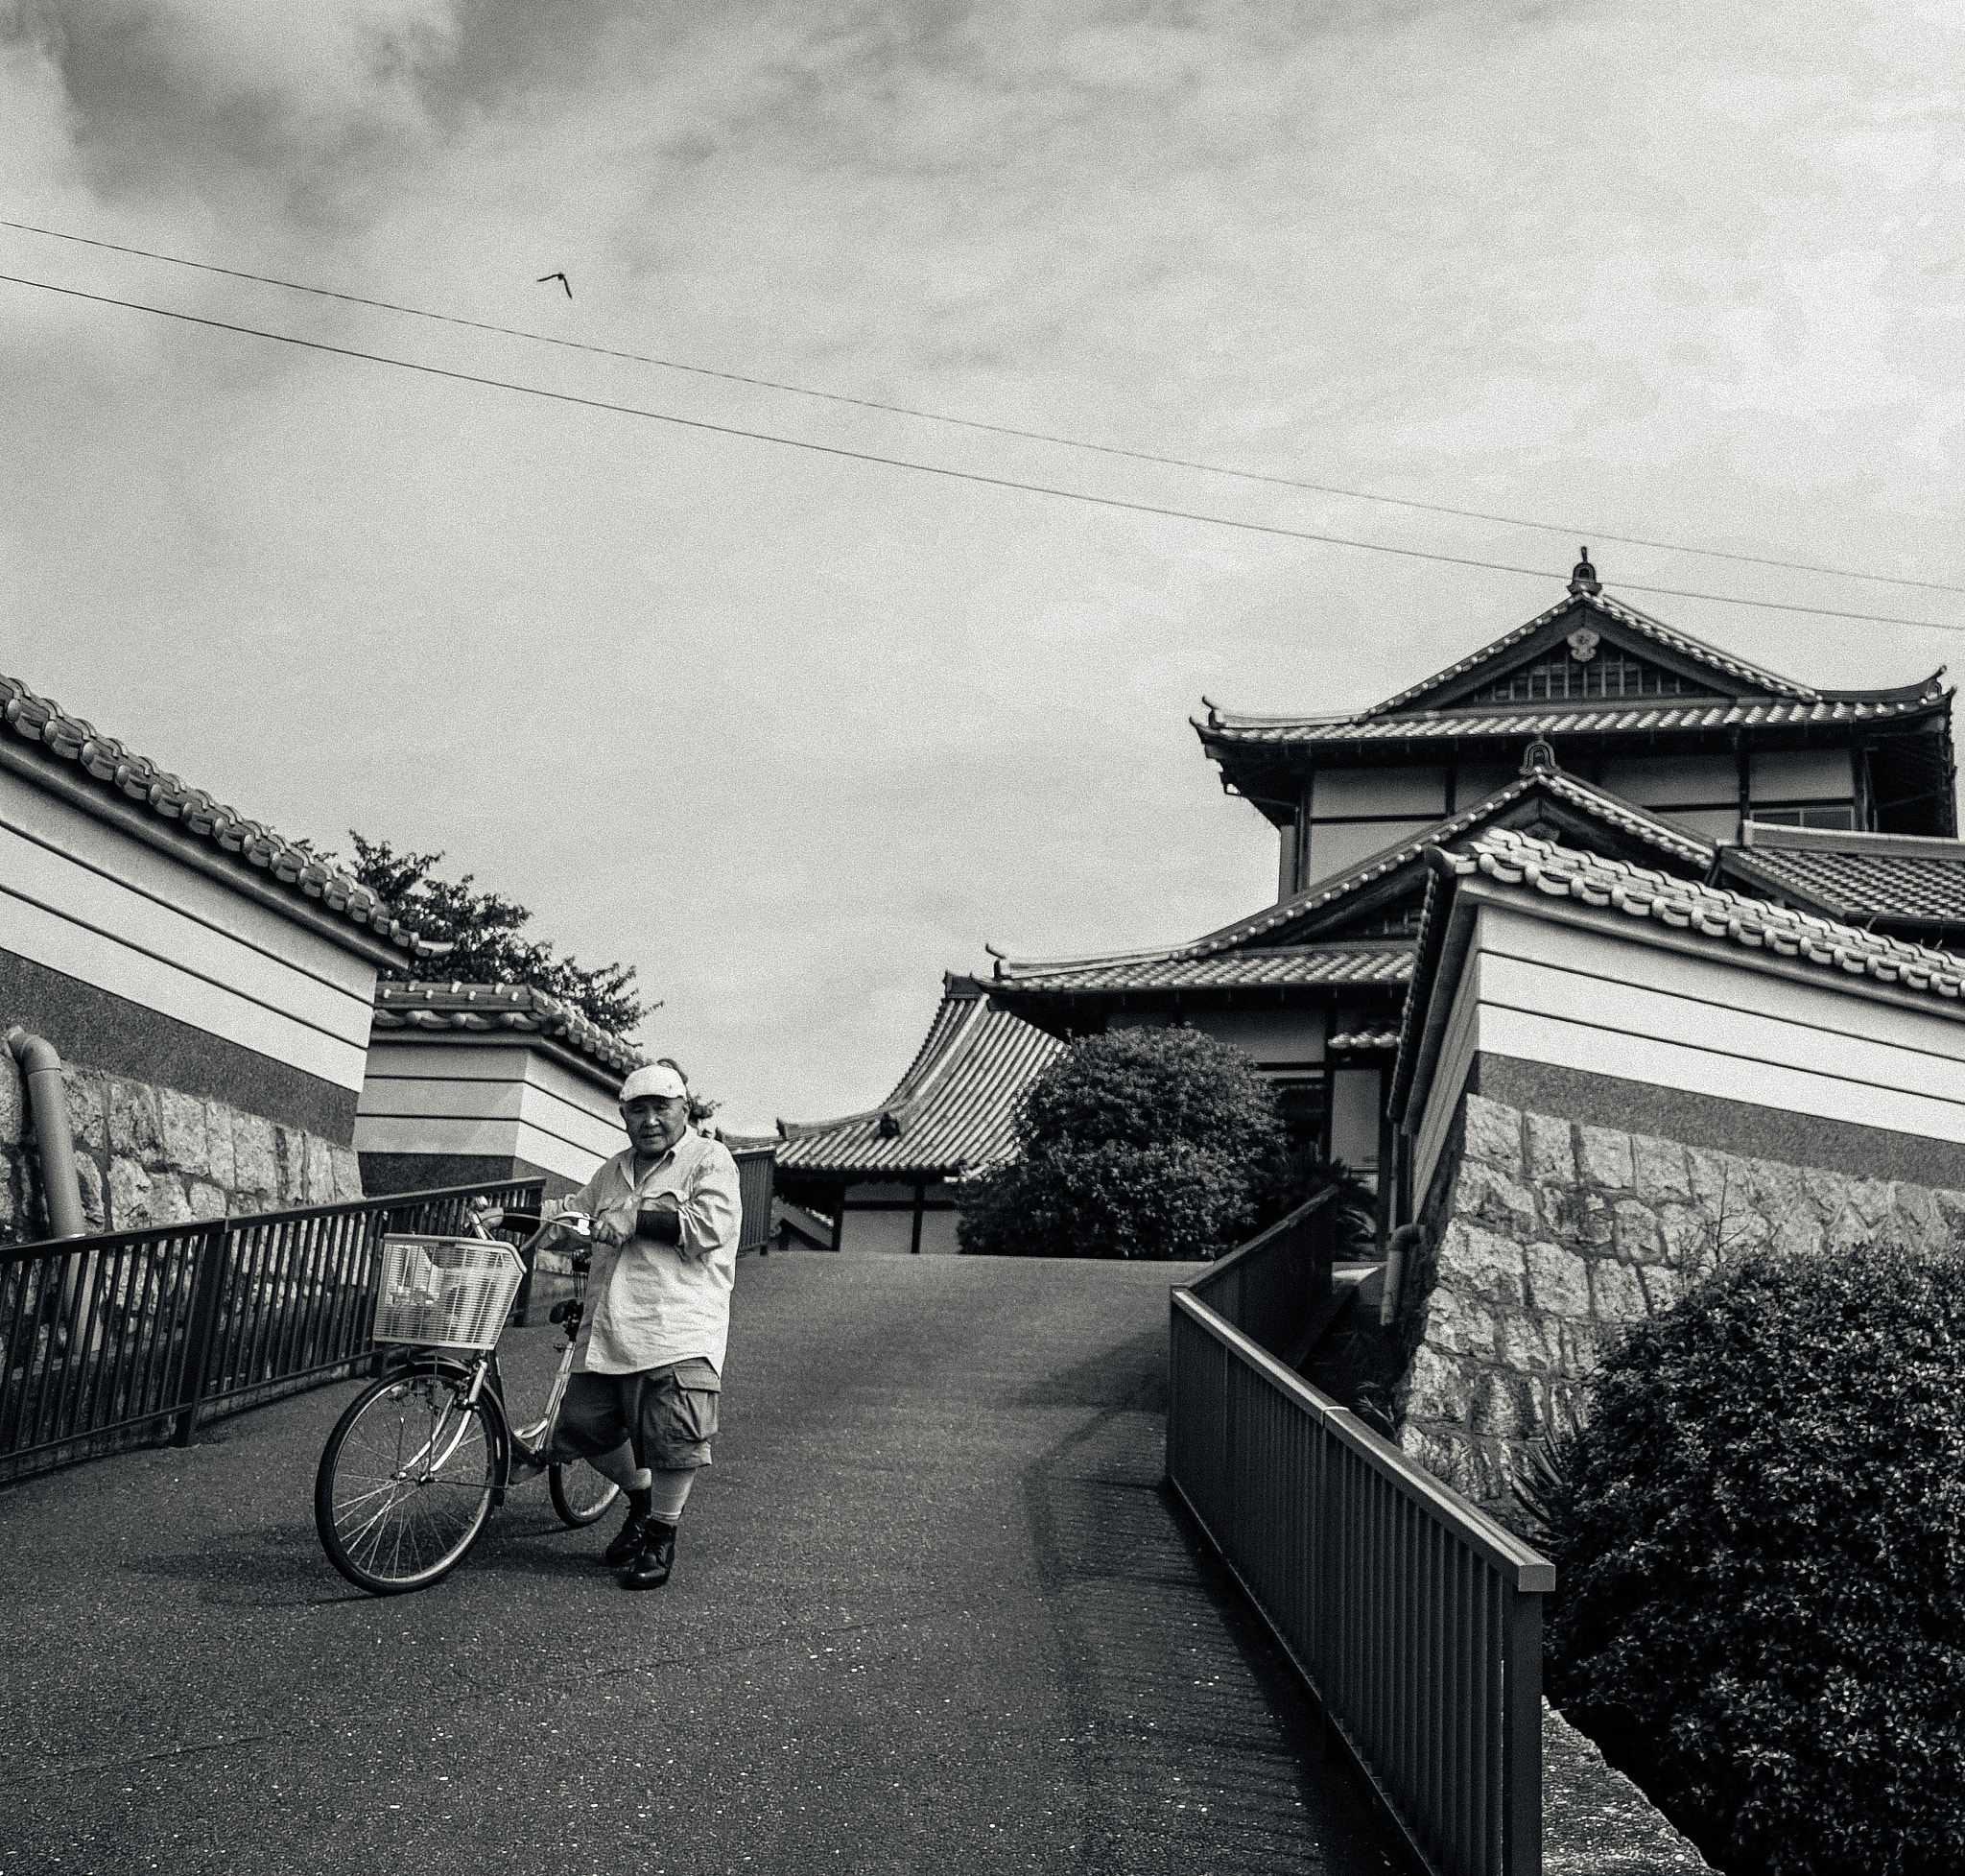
{"points": [[1756, 677], [1917, 886], [481, 1007], [952, 1113], [1278, 966], [1512, 859], [139, 779], [1683, 714]]}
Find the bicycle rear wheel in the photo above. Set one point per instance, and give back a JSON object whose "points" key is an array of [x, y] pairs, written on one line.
{"points": [[580, 1494], [407, 1481]]}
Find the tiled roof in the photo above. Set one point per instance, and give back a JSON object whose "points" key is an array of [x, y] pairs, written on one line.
{"points": [[951, 1112], [1849, 958], [1722, 663], [1683, 713], [1926, 887], [1610, 809], [1754, 696], [484, 1007], [1558, 872], [1281, 966], [137, 779], [1357, 1040]]}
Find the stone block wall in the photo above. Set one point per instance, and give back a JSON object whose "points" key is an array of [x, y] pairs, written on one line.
{"points": [[152, 1156], [1546, 1239]]}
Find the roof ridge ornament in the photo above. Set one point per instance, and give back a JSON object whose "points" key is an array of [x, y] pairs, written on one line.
{"points": [[1583, 576], [1539, 759]]}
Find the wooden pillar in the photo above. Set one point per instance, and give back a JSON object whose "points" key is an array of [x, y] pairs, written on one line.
{"points": [[920, 1205], [839, 1219]]}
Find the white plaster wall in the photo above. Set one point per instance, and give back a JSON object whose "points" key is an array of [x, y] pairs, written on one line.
{"points": [[1802, 775], [1414, 791], [1708, 823], [1587, 998], [1266, 1035], [501, 1099], [886, 1234], [1336, 847], [1355, 1109], [82, 897], [1667, 781]]}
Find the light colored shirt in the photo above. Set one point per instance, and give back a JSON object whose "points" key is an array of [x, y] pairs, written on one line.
{"points": [[649, 1304]]}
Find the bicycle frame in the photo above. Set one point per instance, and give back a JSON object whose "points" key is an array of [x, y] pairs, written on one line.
{"points": [[481, 1371]]}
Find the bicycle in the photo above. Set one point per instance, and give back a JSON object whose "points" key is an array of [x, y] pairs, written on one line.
{"points": [[420, 1458]]}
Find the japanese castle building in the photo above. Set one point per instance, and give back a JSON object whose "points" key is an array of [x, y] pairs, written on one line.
{"points": [[1592, 725]]}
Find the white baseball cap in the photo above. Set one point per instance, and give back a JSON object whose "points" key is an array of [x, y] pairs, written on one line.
{"points": [[655, 1082]]}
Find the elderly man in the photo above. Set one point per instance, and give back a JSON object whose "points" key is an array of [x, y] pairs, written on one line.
{"points": [[641, 1403]]}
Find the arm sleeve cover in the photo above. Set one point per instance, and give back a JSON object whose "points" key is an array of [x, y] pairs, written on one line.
{"points": [[664, 1227]]}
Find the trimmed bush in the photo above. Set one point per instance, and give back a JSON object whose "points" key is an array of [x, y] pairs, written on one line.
{"points": [[1760, 1539], [1154, 1143]]}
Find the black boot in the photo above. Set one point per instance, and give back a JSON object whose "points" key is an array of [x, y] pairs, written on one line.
{"points": [[628, 1546], [650, 1569]]}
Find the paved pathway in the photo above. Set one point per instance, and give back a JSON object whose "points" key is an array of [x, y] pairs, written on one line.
{"points": [[931, 1612]]}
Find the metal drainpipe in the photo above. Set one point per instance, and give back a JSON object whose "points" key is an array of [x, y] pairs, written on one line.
{"points": [[48, 1099], [1406, 1243]]}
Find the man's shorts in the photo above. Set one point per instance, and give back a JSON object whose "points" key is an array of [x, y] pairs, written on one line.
{"points": [[669, 1415]]}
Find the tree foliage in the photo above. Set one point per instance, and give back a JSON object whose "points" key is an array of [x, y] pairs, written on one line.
{"points": [[484, 928], [1759, 1541], [1151, 1143]]}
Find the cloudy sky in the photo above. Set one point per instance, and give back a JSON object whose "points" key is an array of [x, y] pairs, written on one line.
{"points": [[793, 733]]}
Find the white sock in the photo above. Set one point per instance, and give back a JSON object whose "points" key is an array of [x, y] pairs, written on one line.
{"points": [[671, 1492]]}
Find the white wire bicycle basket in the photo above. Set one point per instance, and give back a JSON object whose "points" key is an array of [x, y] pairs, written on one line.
{"points": [[453, 1293]]}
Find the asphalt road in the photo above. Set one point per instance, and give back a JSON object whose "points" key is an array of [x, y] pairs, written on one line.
{"points": [[931, 1612]]}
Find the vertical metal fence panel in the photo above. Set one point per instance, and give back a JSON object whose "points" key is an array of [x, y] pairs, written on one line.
{"points": [[1413, 1616]]}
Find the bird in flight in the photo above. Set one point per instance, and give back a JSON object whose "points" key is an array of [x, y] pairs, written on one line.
{"points": [[560, 277]]}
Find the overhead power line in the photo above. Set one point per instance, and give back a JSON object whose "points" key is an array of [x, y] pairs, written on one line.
{"points": [[1569, 529], [923, 469]]}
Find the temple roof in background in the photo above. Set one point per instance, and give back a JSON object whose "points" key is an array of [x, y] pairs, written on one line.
{"points": [[1727, 673], [951, 1112], [1277, 947], [108, 773], [1680, 713], [1589, 666], [1270, 966]]}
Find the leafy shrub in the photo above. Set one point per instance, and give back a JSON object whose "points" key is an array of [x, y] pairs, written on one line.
{"points": [[1153, 1142], [1112, 1200], [1759, 1541]]}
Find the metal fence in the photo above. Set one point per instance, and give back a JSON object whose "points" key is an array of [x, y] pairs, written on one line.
{"points": [[1415, 1619], [1271, 1287], [135, 1338]]}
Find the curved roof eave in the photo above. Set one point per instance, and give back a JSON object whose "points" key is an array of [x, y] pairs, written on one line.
{"points": [[1756, 677]]}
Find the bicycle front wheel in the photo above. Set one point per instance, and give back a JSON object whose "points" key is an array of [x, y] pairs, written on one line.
{"points": [[407, 1481], [579, 1494]]}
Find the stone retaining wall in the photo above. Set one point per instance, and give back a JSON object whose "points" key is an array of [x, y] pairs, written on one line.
{"points": [[1544, 1239], [152, 1156]]}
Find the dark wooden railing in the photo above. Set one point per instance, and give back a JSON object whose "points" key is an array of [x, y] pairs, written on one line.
{"points": [[1414, 1618], [135, 1338], [757, 1168]]}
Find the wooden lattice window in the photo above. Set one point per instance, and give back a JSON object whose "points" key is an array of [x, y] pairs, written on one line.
{"points": [[1610, 673]]}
